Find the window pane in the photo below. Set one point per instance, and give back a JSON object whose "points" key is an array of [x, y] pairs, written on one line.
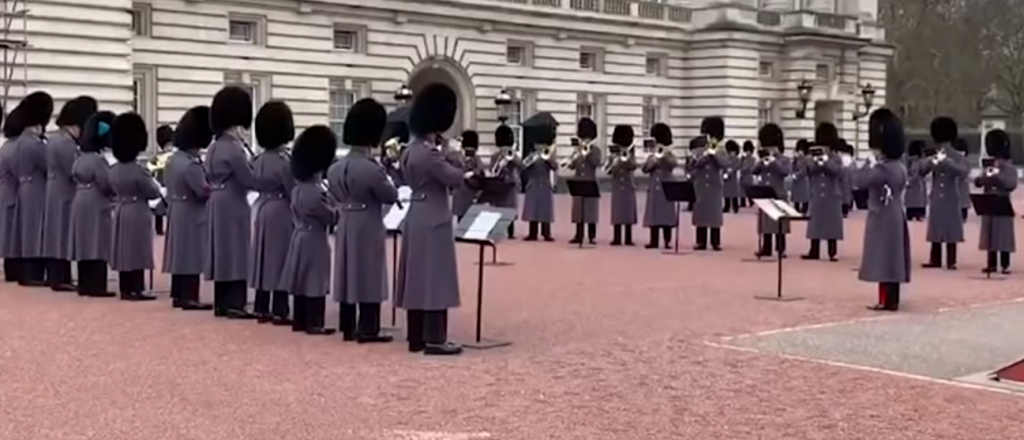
{"points": [[341, 101], [136, 95]]}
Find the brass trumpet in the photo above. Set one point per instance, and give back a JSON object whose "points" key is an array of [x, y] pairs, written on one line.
{"points": [[615, 159], [581, 150], [544, 154], [393, 148], [498, 166]]}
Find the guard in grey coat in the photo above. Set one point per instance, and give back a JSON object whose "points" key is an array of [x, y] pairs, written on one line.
{"points": [[917, 191], [850, 171], [360, 187], [10, 243], [187, 192], [228, 214], [823, 170], [272, 228], [800, 192], [465, 195], [61, 152], [747, 179], [506, 165], [947, 168], [660, 215], [772, 169], [998, 239], [157, 166], [539, 200], [133, 187], [428, 274], [584, 163], [621, 165], [29, 165], [90, 239], [731, 188], [709, 162], [886, 256], [960, 145]]}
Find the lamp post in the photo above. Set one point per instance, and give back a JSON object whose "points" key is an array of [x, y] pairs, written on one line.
{"points": [[867, 94], [403, 95], [503, 101], [803, 91]]}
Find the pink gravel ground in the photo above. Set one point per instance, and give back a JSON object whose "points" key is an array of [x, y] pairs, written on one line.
{"points": [[608, 344]]}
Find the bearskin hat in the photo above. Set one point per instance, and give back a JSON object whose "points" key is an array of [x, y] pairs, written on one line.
{"points": [[826, 135], [662, 134], [193, 131], [802, 146], [698, 142], [732, 147], [433, 110], [714, 127], [748, 147], [128, 137], [14, 124], [76, 112], [470, 140], [916, 148], [504, 137], [891, 140], [586, 129], [96, 132], [274, 125], [231, 107], [959, 144], [997, 144], [944, 130], [771, 136], [313, 152], [622, 135], [164, 135], [365, 123], [38, 108]]}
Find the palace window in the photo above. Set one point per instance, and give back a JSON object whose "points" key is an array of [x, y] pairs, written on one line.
{"points": [[349, 38], [144, 96], [590, 59], [766, 112], [823, 72], [246, 29], [142, 20], [650, 115], [655, 64], [766, 69]]}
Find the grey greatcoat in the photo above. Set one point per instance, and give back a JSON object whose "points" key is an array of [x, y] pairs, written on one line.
{"points": [[706, 171], [747, 164], [307, 264], [463, 197], [773, 173], [539, 201], [361, 189], [623, 191], [228, 223], [886, 255], [825, 206], [10, 242], [658, 211], [428, 274], [187, 192], [732, 188], [61, 152], [133, 187], [29, 160], [584, 167], [800, 192], [92, 222], [997, 233], [945, 225], [509, 174], [917, 191], [272, 227], [849, 182]]}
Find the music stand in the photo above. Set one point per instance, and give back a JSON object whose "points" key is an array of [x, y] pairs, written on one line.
{"points": [[394, 220], [483, 226], [755, 193], [991, 206], [493, 191], [586, 190], [153, 204], [678, 191], [783, 213]]}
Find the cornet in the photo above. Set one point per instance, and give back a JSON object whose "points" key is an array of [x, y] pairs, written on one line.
{"points": [[939, 157]]}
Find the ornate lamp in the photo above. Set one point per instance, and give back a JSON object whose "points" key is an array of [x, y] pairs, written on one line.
{"points": [[503, 101], [403, 95], [803, 91], [867, 94]]}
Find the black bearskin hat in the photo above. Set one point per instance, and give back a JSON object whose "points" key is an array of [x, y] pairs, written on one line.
{"points": [[826, 136], [891, 140], [771, 136], [313, 152], [997, 144], [365, 123], [231, 107], [274, 125], [76, 112], [14, 123], [748, 147], [802, 146], [586, 129], [504, 137], [732, 147], [193, 131], [714, 127], [128, 137], [433, 110], [470, 140], [38, 108], [96, 132], [165, 135], [943, 130], [661, 134], [959, 144], [622, 136], [698, 142], [916, 148]]}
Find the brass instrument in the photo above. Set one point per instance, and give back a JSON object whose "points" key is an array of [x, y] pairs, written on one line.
{"points": [[499, 165], [544, 155], [393, 149], [939, 157], [581, 150], [712, 146], [615, 159]]}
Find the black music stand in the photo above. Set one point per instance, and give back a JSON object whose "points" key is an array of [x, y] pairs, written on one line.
{"points": [[783, 213], [754, 193], [991, 206], [588, 191], [483, 226], [394, 220], [493, 190], [678, 191]]}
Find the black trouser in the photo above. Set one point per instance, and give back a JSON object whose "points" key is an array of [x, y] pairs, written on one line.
{"points": [[543, 227], [702, 237], [689, 206], [1000, 258], [185, 289], [92, 277], [745, 202], [309, 315], [846, 209], [963, 213], [731, 204], [426, 327], [158, 224], [815, 251], [916, 213], [131, 281], [33, 271], [229, 296], [271, 304], [12, 269], [591, 232], [766, 244], [361, 319], [802, 207], [666, 233], [622, 234], [935, 256], [512, 230], [58, 273], [889, 296]]}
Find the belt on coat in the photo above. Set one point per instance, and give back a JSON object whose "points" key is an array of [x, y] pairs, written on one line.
{"points": [[131, 199], [218, 187], [309, 227], [26, 178], [178, 198], [272, 195], [84, 186], [353, 206], [418, 197]]}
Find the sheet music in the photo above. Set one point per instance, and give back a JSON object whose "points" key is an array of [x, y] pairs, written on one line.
{"points": [[482, 225], [787, 209], [396, 215], [769, 208]]}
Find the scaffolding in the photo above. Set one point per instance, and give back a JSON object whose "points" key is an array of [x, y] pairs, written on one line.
{"points": [[14, 44]]}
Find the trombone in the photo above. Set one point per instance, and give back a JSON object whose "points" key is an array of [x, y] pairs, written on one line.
{"points": [[615, 159], [499, 165], [581, 150], [544, 154]]}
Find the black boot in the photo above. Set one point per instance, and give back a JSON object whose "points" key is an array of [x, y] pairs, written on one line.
{"points": [[833, 250], [435, 334], [992, 260], [652, 242], [279, 308], [33, 272], [888, 298], [1004, 262], [814, 253], [951, 256], [963, 214], [545, 231], [133, 285], [766, 246], [158, 224], [12, 270], [577, 237], [616, 235], [262, 307], [300, 317], [512, 230], [368, 331], [220, 302], [628, 232], [414, 320], [592, 233], [666, 234], [238, 295], [315, 309], [58, 275], [533, 229], [934, 257], [188, 293], [92, 279], [347, 321], [716, 239], [702, 239]]}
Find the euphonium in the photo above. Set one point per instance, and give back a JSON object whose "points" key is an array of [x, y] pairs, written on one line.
{"points": [[392, 148]]}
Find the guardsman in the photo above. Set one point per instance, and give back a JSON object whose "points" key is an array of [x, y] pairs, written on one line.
{"points": [[823, 170], [506, 165], [133, 187], [731, 178], [29, 161], [157, 164], [947, 168], [747, 179], [10, 243], [539, 200], [708, 162], [187, 192], [584, 163], [917, 191], [998, 239], [772, 169], [800, 191], [272, 228], [362, 189], [61, 152], [91, 236], [465, 196], [964, 184], [228, 214], [428, 273], [307, 265], [660, 215], [392, 151], [848, 184], [886, 256], [620, 166]]}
